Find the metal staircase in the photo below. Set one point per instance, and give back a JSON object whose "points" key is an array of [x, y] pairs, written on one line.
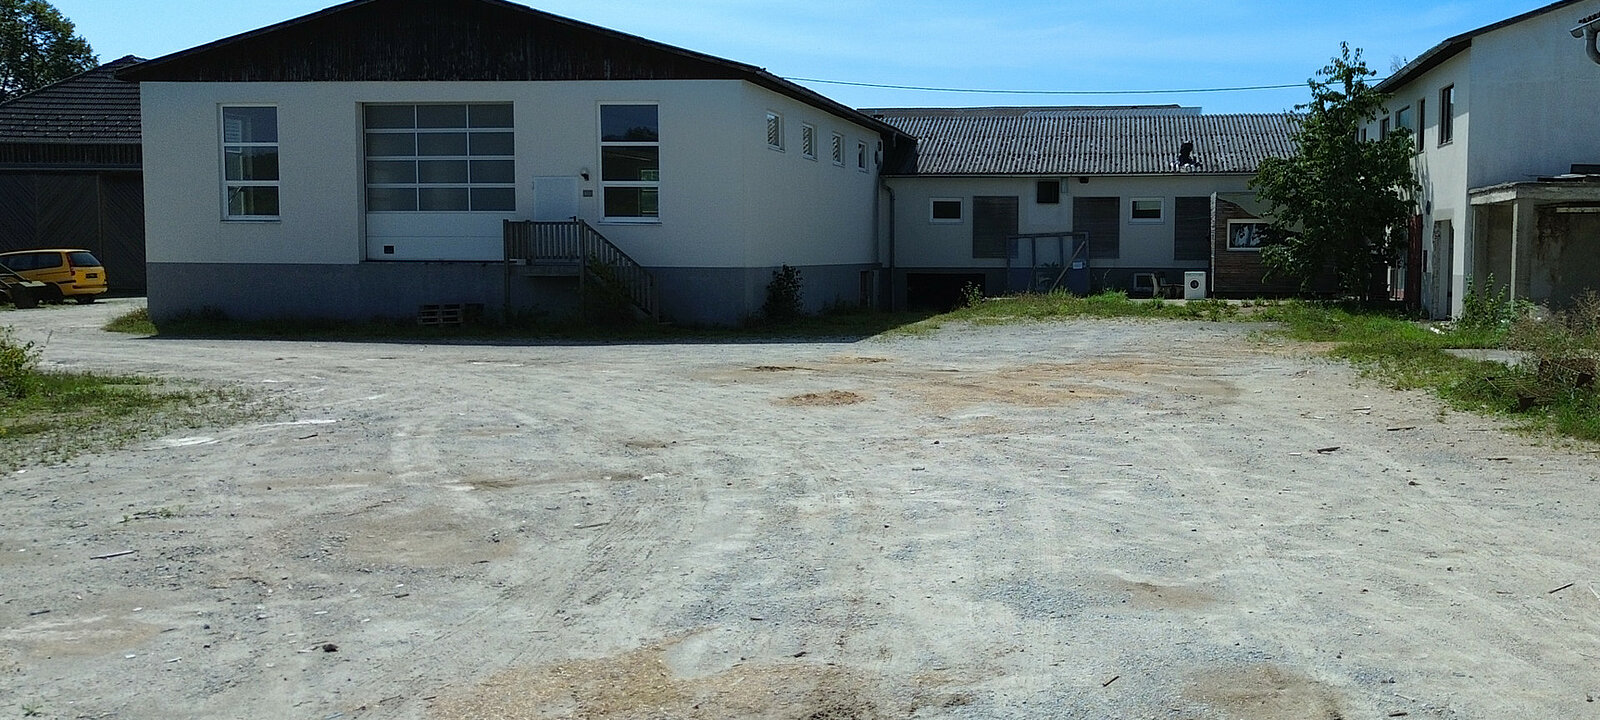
{"points": [[575, 249]]}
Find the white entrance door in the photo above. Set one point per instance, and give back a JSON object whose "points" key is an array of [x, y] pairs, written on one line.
{"points": [[555, 199]]}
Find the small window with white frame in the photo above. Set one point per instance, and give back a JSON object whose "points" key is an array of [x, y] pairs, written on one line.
{"points": [[861, 156], [838, 149], [944, 210], [250, 162], [808, 141], [1146, 210], [775, 131]]}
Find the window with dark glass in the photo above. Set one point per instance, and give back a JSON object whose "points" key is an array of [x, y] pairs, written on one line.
{"points": [[250, 162], [630, 162], [440, 158], [1047, 192], [1447, 114]]}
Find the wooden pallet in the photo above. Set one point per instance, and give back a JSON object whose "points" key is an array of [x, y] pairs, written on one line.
{"points": [[450, 314]]}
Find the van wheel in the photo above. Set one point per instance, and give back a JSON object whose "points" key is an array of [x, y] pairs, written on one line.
{"points": [[83, 299], [23, 299]]}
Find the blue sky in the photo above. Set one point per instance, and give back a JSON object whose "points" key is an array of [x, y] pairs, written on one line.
{"points": [[1101, 46]]}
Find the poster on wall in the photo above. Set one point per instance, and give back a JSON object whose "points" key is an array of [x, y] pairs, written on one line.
{"points": [[1246, 235]]}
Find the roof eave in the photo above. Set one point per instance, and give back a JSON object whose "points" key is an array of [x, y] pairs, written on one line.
{"points": [[1454, 45], [143, 71], [1434, 57]]}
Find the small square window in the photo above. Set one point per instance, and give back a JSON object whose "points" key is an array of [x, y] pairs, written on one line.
{"points": [[1048, 192], [1146, 210], [774, 131], [808, 142], [945, 210]]}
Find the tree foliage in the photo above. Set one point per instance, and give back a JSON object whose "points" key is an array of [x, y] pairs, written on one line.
{"points": [[1339, 200], [38, 46]]}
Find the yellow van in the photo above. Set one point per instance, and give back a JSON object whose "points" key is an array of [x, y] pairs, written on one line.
{"points": [[71, 273]]}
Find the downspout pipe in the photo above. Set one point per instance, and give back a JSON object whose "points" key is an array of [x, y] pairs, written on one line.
{"points": [[889, 284]]}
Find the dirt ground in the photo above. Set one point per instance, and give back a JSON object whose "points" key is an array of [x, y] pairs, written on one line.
{"points": [[1085, 520]]}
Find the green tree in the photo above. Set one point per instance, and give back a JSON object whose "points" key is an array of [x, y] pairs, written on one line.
{"points": [[38, 46], [1339, 200]]}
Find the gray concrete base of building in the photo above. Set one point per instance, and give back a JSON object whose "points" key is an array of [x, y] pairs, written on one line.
{"points": [[391, 291]]}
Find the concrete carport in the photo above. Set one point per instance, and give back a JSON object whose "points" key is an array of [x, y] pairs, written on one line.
{"points": [[1539, 238]]}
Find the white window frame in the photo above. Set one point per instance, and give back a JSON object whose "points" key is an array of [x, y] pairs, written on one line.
{"points": [[417, 183], [599, 119], [1447, 115], [1161, 210], [774, 131], [808, 141], [961, 211], [861, 156], [1228, 241], [837, 148], [222, 157]]}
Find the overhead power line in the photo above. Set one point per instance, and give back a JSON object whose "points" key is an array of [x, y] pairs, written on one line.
{"points": [[983, 91]]}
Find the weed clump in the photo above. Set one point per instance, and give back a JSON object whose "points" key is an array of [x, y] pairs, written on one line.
{"points": [[19, 366], [784, 296]]}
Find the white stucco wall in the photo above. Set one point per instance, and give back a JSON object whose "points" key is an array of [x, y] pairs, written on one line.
{"points": [[792, 209], [1536, 89], [922, 243], [1442, 169], [726, 200], [1524, 109]]}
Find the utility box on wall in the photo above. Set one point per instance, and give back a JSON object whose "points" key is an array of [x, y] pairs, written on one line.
{"points": [[1194, 285]]}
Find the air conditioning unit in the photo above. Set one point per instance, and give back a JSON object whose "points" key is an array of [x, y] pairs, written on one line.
{"points": [[1194, 285]]}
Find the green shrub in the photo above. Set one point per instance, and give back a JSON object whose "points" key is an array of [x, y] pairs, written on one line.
{"points": [[19, 366], [1489, 309], [1563, 346], [971, 295], [784, 296]]}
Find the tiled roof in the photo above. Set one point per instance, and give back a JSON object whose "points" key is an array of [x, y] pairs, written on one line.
{"points": [[90, 107], [1035, 111], [1085, 141]]}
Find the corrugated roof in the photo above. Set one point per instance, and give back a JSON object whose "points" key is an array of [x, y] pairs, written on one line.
{"points": [[1038, 143], [90, 107], [1035, 111]]}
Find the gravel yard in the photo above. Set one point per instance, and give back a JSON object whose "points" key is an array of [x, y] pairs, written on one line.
{"points": [[1087, 520]]}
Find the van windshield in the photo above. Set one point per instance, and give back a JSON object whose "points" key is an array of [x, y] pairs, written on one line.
{"points": [[83, 259]]}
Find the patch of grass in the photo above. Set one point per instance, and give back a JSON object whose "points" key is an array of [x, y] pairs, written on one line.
{"points": [[1061, 305], [1411, 355], [66, 414], [133, 322]]}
